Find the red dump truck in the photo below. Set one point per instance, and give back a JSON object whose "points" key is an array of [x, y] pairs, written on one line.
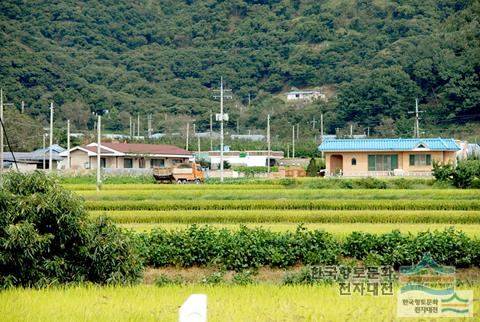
{"points": [[182, 173]]}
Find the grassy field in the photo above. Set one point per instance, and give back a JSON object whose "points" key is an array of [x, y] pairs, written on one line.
{"points": [[225, 303]]}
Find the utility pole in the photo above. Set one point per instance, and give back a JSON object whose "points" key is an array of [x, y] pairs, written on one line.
{"points": [[298, 131], [222, 117], [133, 130], [351, 131], [149, 125], [50, 155], [44, 139], [368, 131], [416, 129], [1, 138], [99, 136], [138, 125], [131, 133], [211, 131], [221, 129], [268, 141], [197, 136], [314, 122], [23, 107], [186, 144], [99, 151], [288, 151], [68, 144], [321, 130], [293, 141]]}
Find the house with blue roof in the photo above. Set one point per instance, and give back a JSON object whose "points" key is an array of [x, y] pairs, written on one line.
{"points": [[386, 157]]}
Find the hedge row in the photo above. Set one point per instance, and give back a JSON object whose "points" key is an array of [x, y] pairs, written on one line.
{"points": [[291, 216], [284, 204], [259, 194], [169, 187], [253, 248]]}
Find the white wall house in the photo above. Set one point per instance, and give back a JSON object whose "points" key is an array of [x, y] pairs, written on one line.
{"points": [[246, 158], [305, 96]]}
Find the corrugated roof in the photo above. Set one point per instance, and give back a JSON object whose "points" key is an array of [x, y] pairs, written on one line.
{"points": [[146, 148], [30, 156], [437, 144]]}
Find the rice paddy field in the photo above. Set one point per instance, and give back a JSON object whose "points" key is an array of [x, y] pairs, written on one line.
{"points": [[225, 303], [143, 207], [283, 207]]}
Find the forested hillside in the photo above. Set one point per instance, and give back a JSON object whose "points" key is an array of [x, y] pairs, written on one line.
{"points": [[166, 57]]}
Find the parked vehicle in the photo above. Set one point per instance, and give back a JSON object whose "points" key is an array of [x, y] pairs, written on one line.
{"points": [[182, 173]]}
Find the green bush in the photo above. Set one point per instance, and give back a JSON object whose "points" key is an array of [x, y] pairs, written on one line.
{"points": [[447, 247], [242, 249], [314, 166], [371, 183], [243, 278], [213, 279], [46, 238], [252, 171], [464, 175]]}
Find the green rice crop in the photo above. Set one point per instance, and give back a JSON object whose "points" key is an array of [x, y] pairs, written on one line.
{"points": [[268, 194], [284, 204], [291, 216]]}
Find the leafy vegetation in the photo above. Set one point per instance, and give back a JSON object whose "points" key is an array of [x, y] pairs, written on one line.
{"points": [[464, 175], [372, 58], [253, 248], [46, 238]]}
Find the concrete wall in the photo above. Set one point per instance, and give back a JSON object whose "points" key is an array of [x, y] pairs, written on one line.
{"points": [[78, 159]]}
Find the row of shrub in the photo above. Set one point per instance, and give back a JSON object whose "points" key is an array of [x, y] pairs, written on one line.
{"points": [[292, 216], [284, 204], [86, 188], [253, 248], [91, 178], [336, 183], [268, 194]]}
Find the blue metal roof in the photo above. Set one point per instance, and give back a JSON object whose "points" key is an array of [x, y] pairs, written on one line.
{"points": [[388, 145]]}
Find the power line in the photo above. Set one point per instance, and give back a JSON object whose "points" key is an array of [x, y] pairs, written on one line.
{"points": [[9, 146]]}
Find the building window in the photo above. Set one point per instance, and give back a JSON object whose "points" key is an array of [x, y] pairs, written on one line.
{"points": [[128, 163], [103, 163], [354, 161], [382, 162], [141, 163], [157, 163], [420, 159], [177, 161]]}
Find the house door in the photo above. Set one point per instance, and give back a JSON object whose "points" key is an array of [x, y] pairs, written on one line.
{"points": [[336, 164]]}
